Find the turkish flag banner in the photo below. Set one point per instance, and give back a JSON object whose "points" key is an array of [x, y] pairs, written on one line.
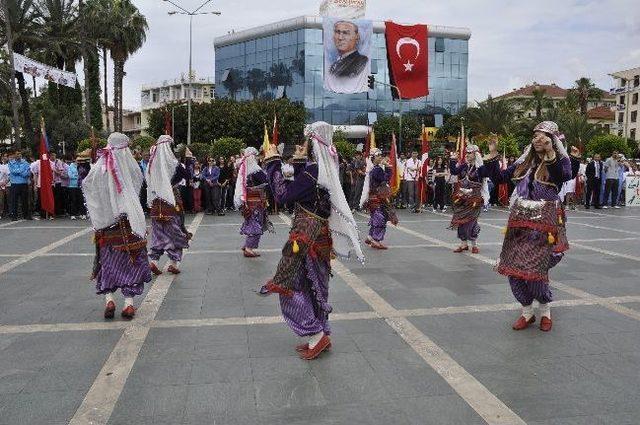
{"points": [[407, 52]]}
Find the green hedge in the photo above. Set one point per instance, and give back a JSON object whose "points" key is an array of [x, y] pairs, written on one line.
{"points": [[86, 144], [605, 144], [227, 146]]}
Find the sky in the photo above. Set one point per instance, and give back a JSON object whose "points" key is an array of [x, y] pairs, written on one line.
{"points": [[513, 42]]}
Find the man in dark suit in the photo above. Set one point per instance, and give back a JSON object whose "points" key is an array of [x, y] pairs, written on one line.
{"points": [[594, 174], [350, 63]]}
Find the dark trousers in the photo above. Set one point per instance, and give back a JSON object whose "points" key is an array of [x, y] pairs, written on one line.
{"points": [[19, 191], [75, 206], [593, 193], [439, 191], [611, 187], [187, 201], [143, 197], [60, 198], [356, 193]]}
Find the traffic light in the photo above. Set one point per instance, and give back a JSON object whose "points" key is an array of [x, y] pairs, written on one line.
{"points": [[372, 80]]}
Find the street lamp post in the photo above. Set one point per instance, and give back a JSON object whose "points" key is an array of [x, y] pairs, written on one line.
{"points": [[191, 14], [399, 111]]}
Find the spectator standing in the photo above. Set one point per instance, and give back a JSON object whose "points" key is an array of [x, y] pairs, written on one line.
{"points": [[594, 173], [440, 183], [612, 173], [19, 172], [226, 174], [411, 173], [60, 176], [196, 184], [210, 177], [359, 171]]}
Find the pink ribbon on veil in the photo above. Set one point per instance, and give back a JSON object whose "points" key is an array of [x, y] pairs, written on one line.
{"points": [[110, 164]]}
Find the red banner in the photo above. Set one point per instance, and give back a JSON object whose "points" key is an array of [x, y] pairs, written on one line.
{"points": [[46, 176], [393, 163], [407, 52]]}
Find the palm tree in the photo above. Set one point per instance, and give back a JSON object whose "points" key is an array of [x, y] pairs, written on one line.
{"points": [[577, 130], [234, 82], [583, 91], [491, 116], [128, 34], [539, 101], [256, 82], [280, 75], [298, 63], [23, 18]]}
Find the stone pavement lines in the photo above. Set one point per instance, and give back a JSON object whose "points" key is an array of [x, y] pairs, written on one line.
{"points": [[559, 285], [39, 252], [476, 395], [336, 317], [100, 400], [11, 223]]}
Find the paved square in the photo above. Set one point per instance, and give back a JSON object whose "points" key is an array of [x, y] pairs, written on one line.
{"points": [[420, 335]]}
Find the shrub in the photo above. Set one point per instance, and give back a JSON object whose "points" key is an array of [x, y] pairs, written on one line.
{"points": [[85, 144], [227, 146], [345, 148], [201, 150], [605, 144], [142, 143]]}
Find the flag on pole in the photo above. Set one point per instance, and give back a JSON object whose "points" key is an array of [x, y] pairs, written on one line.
{"points": [[265, 142], [463, 145], [503, 188], [274, 138], [395, 170], [46, 174]]}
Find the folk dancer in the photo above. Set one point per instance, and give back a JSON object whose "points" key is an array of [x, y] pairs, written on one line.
{"points": [[323, 226], [470, 195], [250, 197], [376, 197], [535, 237], [111, 191], [168, 234]]}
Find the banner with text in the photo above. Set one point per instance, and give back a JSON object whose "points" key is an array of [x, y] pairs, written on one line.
{"points": [[36, 69], [347, 54]]}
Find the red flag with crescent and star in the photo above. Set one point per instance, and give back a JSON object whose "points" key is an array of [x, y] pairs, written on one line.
{"points": [[407, 52]]}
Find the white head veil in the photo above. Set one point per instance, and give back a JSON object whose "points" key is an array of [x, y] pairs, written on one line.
{"points": [[248, 166], [112, 187], [160, 171], [365, 187], [344, 229]]}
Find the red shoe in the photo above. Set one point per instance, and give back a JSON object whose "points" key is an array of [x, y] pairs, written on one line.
{"points": [[322, 345], [173, 269], [523, 323], [475, 250], [109, 310], [459, 249], [128, 312], [545, 324], [367, 241], [304, 347], [154, 269]]}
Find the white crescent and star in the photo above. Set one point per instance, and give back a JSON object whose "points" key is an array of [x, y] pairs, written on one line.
{"points": [[408, 67]]}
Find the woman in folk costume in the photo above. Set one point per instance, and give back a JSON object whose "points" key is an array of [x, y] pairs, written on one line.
{"points": [[323, 225], [250, 197], [376, 196], [535, 238], [111, 191], [168, 233], [471, 194]]}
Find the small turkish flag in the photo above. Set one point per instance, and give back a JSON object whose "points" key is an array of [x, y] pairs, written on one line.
{"points": [[407, 51]]}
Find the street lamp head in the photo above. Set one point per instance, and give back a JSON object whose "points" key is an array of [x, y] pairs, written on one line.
{"points": [[173, 12]]}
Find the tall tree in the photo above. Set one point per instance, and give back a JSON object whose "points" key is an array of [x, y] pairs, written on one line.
{"points": [[539, 101], [234, 82], [23, 18], [280, 75], [128, 34], [585, 90], [256, 82], [491, 116]]}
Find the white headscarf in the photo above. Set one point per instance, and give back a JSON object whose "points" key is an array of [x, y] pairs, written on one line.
{"points": [[248, 166], [365, 187], [112, 187], [160, 171], [479, 163], [344, 230]]}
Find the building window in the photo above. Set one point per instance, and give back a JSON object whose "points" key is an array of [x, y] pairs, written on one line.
{"points": [[439, 44], [634, 116], [632, 134], [636, 81], [634, 99], [622, 100], [620, 117]]}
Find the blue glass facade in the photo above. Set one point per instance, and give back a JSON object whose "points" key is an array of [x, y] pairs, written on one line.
{"points": [[300, 51]]}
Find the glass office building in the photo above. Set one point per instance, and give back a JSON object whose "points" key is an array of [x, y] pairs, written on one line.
{"points": [[287, 57]]}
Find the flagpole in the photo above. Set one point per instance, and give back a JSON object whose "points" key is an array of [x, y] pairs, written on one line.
{"points": [[12, 80]]}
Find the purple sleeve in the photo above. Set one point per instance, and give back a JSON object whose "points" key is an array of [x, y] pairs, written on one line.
{"points": [[181, 173], [286, 191], [378, 176], [559, 170], [259, 178], [575, 166], [454, 168], [491, 169]]}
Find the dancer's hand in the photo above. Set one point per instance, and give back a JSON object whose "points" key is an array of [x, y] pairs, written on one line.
{"points": [[493, 145], [575, 151], [453, 155]]}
